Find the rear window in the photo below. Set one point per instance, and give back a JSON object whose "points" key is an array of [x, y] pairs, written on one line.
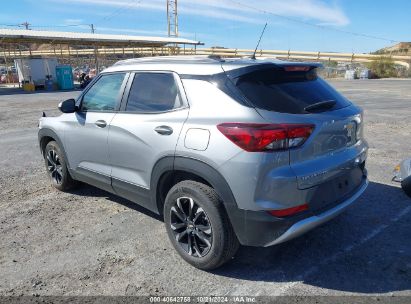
{"points": [[275, 89], [153, 92]]}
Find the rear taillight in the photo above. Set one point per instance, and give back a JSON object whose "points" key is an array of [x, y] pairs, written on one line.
{"points": [[297, 68], [288, 211], [266, 137]]}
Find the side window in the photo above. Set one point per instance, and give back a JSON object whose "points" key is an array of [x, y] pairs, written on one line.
{"points": [[103, 95], [153, 92]]}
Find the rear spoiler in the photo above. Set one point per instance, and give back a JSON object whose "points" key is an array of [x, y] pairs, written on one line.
{"points": [[270, 65]]}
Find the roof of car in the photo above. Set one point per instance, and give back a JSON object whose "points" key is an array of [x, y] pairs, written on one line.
{"points": [[190, 64]]}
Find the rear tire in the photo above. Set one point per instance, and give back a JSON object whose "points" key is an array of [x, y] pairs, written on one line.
{"points": [[56, 167], [406, 185], [197, 225]]}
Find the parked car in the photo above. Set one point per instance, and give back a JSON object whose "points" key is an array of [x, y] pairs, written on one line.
{"points": [[402, 174], [229, 152]]}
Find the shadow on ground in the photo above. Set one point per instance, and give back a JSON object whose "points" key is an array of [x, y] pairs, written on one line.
{"points": [[87, 190], [365, 250]]}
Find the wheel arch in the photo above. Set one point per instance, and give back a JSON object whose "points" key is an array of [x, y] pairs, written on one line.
{"points": [[205, 173], [47, 135], [193, 169]]}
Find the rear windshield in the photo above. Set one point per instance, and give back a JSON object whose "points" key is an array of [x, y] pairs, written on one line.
{"points": [[275, 89]]}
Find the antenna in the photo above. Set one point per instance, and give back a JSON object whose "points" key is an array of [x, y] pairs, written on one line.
{"points": [[261, 36]]}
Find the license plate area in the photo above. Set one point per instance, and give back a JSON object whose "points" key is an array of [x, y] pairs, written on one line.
{"points": [[333, 192]]}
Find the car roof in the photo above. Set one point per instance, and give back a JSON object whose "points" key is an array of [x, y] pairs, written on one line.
{"points": [[190, 65]]}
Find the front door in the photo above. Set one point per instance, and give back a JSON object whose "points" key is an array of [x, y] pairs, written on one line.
{"points": [[86, 138]]}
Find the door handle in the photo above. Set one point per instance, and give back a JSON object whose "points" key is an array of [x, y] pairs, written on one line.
{"points": [[164, 130], [100, 123]]}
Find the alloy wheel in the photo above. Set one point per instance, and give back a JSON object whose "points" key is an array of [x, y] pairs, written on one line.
{"points": [[191, 227], [54, 166]]}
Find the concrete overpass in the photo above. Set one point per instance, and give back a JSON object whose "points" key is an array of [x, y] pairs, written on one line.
{"points": [[17, 44], [161, 51]]}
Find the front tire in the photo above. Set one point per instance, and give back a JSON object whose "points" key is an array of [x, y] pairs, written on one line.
{"points": [[198, 226], [56, 166]]}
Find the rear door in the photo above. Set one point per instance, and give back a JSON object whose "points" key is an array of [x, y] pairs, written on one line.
{"points": [[146, 129]]}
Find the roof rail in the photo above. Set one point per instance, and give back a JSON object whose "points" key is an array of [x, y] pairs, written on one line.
{"points": [[216, 57], [170, 58]]}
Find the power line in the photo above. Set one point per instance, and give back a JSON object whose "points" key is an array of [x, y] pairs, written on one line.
{"points": [[10, 25], [65, 25], [119, 11], [44, 26], [105, 18], [311, 24]]}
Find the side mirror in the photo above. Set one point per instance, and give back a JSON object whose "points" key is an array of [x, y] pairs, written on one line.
{"points": [[68, 106]]}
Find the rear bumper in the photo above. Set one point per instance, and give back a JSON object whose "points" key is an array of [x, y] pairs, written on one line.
{"points": [[258, 228], [309, 223]]}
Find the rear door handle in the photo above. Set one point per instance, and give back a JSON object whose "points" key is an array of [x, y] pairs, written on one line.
{"points": [[101, 123], [164, 130]]}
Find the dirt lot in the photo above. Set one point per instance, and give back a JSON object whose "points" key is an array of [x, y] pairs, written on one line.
{"points": [[90, 242]]}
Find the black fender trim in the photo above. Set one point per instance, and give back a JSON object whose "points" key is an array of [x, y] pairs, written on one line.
{"points": [[194, 166], [207, 172], [162, 166]]}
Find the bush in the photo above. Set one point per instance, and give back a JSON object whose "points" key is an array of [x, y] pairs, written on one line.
{"points": [[383, 67]]}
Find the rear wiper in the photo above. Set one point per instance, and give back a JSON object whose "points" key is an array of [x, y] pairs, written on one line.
{"points": [[326, 104]]}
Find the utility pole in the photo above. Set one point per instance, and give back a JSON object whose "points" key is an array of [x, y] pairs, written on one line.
{"points": [[26, 25], [172, 18], [95, 50]]}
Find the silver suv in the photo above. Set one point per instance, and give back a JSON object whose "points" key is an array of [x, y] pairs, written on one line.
{"points": [[229, 152]]}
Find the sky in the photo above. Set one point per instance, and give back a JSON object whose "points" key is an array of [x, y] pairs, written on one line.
{"points": [[305, 25]]}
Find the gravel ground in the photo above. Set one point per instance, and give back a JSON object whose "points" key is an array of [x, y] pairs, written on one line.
{"points": [[89, 242]]}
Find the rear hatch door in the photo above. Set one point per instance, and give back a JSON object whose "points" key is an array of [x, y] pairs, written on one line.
{"points": [[293, 93]]}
